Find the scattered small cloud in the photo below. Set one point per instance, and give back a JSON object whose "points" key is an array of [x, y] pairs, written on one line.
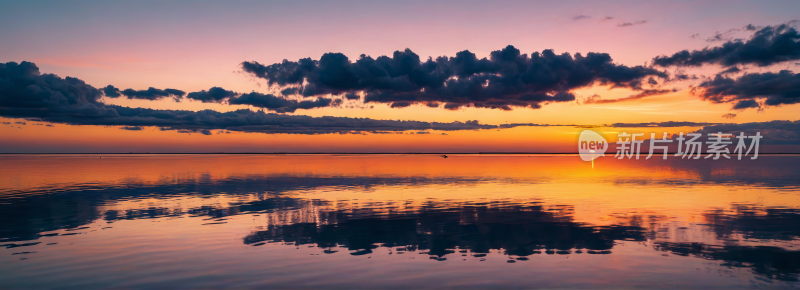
{"points": [[626, 24], [661, 124], [729, 116], [580, 17], [723, 36], [731, 70], [595, 99]]}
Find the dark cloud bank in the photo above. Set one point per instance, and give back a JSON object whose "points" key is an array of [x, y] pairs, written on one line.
{"points": [[148, 94], [774, 132], [509, 79], [26, 93], [778, 132], [770, 89], [767, 46], [505, 80], [263, 101]]}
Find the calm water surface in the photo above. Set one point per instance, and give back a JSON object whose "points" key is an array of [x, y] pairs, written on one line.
{"points": [[240, 221]]}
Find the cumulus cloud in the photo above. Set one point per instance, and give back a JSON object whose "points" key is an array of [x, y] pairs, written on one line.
{"points": [[213, 95], [26, 93], [111, 91], [745, 104], [266, 101], [148, 94], [506, 79], [318, 103], [352, 96], [152, 94], [774, 88], [767, 46], [279, 104]]}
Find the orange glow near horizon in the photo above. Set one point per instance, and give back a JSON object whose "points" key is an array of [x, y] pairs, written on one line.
{"points": [[101, 139]]}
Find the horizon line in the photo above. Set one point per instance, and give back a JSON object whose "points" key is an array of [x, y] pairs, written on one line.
{"points": [[346, 153]]}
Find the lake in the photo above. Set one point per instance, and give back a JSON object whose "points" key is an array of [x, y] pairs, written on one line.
{"points": [[397, 221]]}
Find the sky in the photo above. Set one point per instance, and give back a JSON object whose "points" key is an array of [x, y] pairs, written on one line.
{"points": [[596, 64]]}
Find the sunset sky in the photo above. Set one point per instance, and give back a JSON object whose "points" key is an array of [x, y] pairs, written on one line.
{"points": [[625, 66]]}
